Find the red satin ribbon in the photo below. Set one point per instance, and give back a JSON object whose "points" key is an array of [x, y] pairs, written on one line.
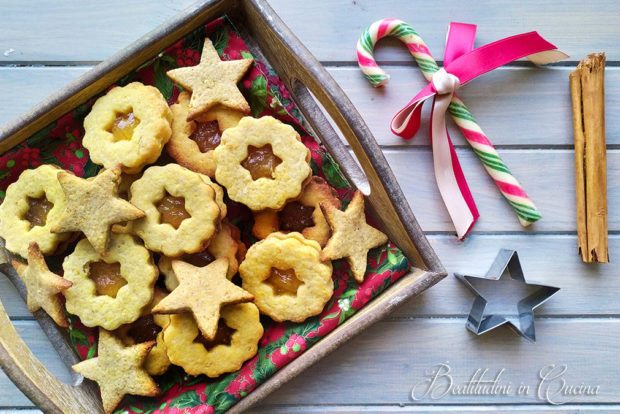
{"points": [[462, 64]]}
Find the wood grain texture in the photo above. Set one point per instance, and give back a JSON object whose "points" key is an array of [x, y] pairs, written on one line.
{"points": [[574, 27]]}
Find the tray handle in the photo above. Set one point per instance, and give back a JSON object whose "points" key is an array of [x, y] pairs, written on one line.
{"points": [[296, 65], [45, 390]]}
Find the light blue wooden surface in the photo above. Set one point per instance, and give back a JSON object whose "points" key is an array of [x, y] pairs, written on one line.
{"points": [[525, 111]]}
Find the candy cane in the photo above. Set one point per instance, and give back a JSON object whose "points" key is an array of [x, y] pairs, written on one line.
{"points": [[494, 165]]}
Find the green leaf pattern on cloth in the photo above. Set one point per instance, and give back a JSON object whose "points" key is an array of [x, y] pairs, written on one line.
{"points": [[60, 143]]}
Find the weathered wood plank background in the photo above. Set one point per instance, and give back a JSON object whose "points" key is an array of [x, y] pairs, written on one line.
{"points": [[525, 111]]}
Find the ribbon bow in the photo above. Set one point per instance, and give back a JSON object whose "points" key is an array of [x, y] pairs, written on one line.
{"points": [[462, 63]]}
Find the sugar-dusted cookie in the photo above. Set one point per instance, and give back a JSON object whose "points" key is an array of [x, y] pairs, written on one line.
{"points": [[118, 370], [262, 163], [129, 125], [109, 291], [30, 206], [223, 244], [93, 206], [352, 237], [236, 340], [202, 291], [42, 285], [192, 142], [182, 214], [286, 277], [304, 215], [213, 82], [146, 328]]}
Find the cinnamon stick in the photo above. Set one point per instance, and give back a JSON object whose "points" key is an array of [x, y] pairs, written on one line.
{"points": [[588, 99]]}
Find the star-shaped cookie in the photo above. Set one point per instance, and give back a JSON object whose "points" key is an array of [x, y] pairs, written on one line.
{"points": [[352, 237], [42, 285], [93, 206], [202, 291], [212, 82], [118, 370]]}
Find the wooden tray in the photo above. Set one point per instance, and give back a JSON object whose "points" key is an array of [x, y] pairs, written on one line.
{"points": [[270, 40]]}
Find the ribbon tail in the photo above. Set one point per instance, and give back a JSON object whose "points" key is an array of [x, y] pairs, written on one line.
{"points": [[448, 173]]}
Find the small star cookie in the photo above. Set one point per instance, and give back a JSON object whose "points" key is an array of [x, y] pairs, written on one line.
{"points": [[43, 286], [352, 237], [93, 206], [118, 370], [212, 82], [202, 291]]}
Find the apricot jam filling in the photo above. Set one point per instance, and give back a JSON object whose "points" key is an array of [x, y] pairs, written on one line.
{"points": [[144, 329], [172, 210], [107, 278], [223, 336], [200, 259], [37, 211], [206, 135], [123, 126], [295, 217], [283, 282], [261, 162]]}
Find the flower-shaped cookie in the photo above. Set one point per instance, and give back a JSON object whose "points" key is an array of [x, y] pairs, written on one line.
{"points": [[262, 163], [110, 291], [129, 125], [286, 277], [304, 215], [182, 214], [31, 205], [235, 342]]}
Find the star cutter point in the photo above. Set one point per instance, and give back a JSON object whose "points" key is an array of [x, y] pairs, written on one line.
{"points": [[503, 296]]}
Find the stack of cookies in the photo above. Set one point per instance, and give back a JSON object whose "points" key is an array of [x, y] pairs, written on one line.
{"points": [[149, 254]]}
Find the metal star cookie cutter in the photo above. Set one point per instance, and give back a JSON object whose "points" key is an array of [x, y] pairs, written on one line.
{"points": [[501, 299]]}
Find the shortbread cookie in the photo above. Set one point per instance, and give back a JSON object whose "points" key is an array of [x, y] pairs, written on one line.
{"points": [[236, 340], [30, 206], [262, 163], [202, 291], [118, 370], [213, 82], [42, 285], [224, 244], [352, 237], [182, 214], [192, 142], [146, 328], [93, 206], [109, 291], [286, 276], [129, 125], [304, 215]]}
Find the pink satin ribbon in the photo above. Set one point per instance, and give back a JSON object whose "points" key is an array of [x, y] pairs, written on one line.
{"points": [[462, 64]]}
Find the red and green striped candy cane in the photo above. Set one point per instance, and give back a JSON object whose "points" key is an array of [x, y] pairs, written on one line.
{"points": [[495, 166]]}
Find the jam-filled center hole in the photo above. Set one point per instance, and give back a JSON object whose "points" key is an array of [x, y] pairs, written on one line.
{"points": [[261, 162], [206, 135], [223, 336], [295, 217], [123, 126], [200, 259], [283, 282], [144, 329], [172, 210], [37, 210], [107, 278]]}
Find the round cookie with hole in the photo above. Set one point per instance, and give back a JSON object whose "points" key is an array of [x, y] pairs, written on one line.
{"points": [[110, 291], [262, 163], [286, 276], [30, 206], [129, 125], [182, 214]]}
